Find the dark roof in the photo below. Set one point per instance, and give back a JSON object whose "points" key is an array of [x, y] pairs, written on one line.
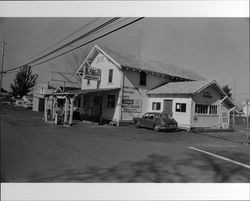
{"points": [[189, 87], [140, 63]]}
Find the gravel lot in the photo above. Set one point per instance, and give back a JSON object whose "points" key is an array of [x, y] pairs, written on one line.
{"points": [[33, 151]]}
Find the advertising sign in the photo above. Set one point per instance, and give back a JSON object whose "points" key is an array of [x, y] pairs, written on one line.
{"points": [[91, 73], [131, 105]]}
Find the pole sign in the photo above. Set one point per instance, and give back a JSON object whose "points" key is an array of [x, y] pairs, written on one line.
{"points": [[91, 73]]}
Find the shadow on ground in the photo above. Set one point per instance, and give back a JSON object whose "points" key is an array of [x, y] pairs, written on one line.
{"points": [[155, 168]]}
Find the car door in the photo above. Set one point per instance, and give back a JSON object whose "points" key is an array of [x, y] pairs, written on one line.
{"points": [[148, 120], [144, 120]]}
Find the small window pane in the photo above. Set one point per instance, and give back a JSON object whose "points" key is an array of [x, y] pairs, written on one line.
{"points": [[110, 75], [143, 78]]}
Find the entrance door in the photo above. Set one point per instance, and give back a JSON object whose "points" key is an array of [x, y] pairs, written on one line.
{"points": [[167, 106], [41, 105], [97, 109]]}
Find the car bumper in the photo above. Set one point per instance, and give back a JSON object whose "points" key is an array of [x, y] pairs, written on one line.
{"points": [[169, 127]]}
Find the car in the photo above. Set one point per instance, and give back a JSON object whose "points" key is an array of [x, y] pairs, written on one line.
{"points": [[156, 121], [19, 103], [28, 105]]}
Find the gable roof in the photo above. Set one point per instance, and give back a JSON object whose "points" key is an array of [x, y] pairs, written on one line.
{"points": [[140, 63], [189, 87], [123, 60]]}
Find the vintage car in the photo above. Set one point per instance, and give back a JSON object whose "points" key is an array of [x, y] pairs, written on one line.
{"points": [[156, 121]]}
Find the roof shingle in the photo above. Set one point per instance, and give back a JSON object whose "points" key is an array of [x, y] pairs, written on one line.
{"points": [[140, 63]]}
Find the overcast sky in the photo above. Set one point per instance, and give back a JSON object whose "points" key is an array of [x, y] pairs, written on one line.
{"points": [[216, 48]]}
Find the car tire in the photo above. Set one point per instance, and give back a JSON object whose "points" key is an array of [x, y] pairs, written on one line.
{"points": [[137, 124], [156, 128]]}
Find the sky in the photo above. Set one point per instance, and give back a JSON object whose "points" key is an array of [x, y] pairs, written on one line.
{"points": [[216, 48]]}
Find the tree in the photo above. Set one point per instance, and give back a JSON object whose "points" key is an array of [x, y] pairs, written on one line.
{"points": [[227, 90], [24, 81]]}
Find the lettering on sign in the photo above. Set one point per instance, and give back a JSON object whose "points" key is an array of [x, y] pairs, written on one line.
{"points": [[91, 73], [131, 105], [206, 94]]}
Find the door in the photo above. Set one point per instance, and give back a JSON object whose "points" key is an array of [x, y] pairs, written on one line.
{"points": [[148, 120], [97, 110], [41, 105], [167, 106]]}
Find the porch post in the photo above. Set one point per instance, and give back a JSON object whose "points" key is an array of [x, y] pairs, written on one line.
{"points": [[54, 107], [66, 107], [81, 104], [71, 110], [45, 109]]}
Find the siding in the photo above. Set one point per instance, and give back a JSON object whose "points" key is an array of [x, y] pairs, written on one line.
{"points": [[131, 83]]}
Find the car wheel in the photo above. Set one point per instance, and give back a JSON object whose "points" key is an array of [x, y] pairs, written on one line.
{"points": [[156, 128], [138, 124]]}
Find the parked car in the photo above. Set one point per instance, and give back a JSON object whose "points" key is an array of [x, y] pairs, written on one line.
{"points": [[19, 103], [28, 105], [156, 121]]}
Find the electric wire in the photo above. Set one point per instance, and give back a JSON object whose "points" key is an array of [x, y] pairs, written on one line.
{"points": [[67, 44], [59, 41], [99, 37]]}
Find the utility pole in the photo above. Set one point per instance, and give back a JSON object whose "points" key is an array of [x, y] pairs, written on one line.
{"points": [[2, 64], [234, 103]]}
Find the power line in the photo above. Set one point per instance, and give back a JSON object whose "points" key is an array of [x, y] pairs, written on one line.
{"points": [[54, 44], [69, 43], [99, 37]]}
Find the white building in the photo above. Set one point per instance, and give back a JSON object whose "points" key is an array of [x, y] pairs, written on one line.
{"points": [[118, 87]]}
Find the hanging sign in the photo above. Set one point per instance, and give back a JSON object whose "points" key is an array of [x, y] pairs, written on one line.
{"points": [[91, 73]]}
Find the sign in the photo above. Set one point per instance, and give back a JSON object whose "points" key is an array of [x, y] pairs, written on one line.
{"points": [[224, 116], [131, 105], [206, 94], [91, 73]]}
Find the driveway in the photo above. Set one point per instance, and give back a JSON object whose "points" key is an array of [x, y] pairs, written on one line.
{"points": [[33, 151]]}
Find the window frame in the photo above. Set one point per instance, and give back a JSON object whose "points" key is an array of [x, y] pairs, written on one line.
{"points": [[157, 106], [208, 109], [110, 97], [181, 109], [143, 78], [110, 76]]}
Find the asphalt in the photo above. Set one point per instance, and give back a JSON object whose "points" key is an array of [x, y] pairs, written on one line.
{"points": [[33, 151]]}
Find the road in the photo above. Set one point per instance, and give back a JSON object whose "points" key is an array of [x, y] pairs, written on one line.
{"points": [[33, 151]]}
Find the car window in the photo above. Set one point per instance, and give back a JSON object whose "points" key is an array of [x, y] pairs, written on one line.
{"points": [[146, 115], [151, 116]]}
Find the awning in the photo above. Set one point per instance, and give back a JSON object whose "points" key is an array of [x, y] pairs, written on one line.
{"points": [[84, 91]]}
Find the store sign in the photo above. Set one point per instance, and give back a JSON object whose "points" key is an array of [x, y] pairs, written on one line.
{"points": [[206, 94], [131, 105], [91, 73]]}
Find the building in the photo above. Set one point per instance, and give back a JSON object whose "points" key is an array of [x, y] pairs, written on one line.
{"points": [[193, 104], [116, 87], [39, 95]]}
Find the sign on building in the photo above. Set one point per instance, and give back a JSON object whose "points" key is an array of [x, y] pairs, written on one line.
{"points": [[131, 105], [91, 73]]}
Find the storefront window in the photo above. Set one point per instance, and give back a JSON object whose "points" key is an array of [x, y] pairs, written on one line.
{"points": [[205, 109], [111, 101], [88, 82], [86, 100], [156, 106], [180, 107]]}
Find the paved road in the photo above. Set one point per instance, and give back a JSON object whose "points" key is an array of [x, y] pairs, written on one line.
{"points": [[32, 151]]}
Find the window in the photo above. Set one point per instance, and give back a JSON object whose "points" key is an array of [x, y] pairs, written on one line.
{"points": [[111, 101], [143, 78], [213, 109], [156, 106], [205, 109], [110, 75], [86, 100], [88, 82], [180, 107]]}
